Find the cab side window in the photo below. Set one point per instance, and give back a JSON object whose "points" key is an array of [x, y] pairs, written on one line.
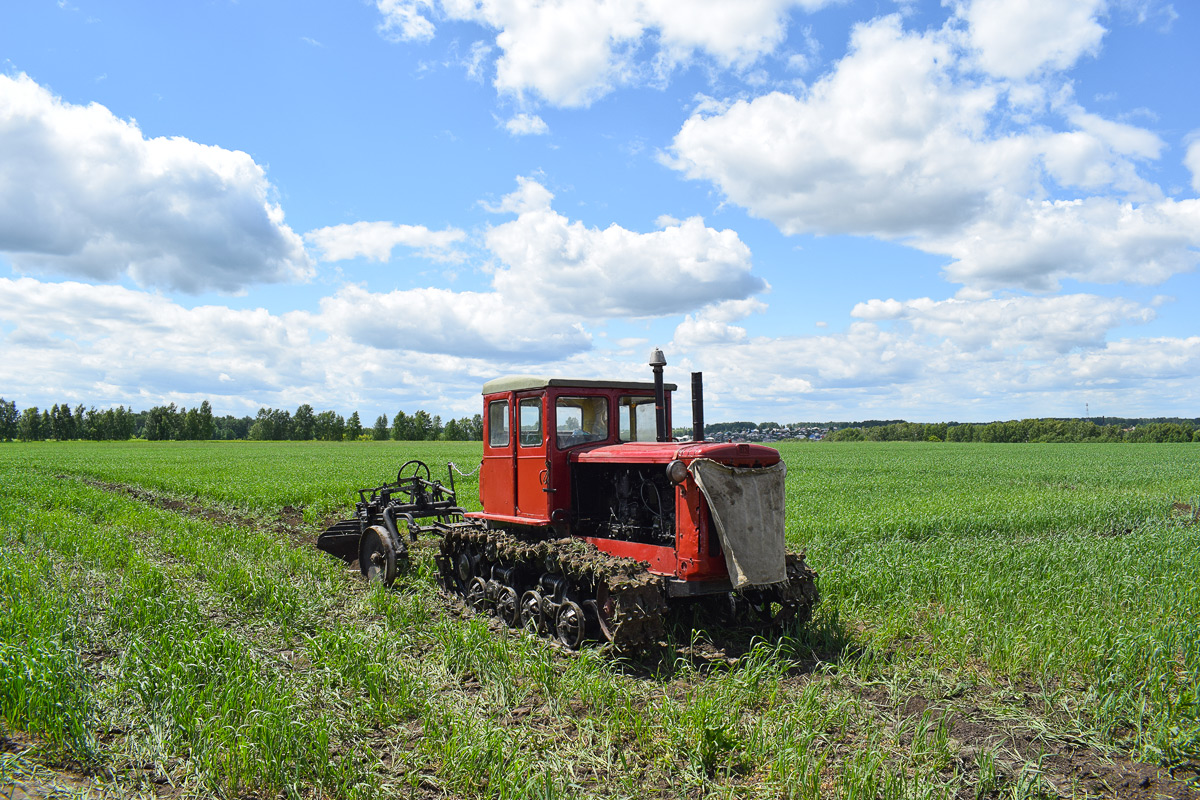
{"points": [[498, 423], [531, 421]]}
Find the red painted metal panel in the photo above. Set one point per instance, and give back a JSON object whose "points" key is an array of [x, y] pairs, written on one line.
{"points": [[662, 560], [506, 519], [629, 453], [734, 453], [662, 452], [698, 558]]}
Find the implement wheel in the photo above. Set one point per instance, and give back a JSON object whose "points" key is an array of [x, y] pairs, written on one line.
{"points": [[377, 556]]}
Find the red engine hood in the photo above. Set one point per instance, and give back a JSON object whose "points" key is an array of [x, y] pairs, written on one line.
{"points": [[662, 452]]}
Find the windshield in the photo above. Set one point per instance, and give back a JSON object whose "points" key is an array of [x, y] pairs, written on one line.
{"points": [[579, 420]]}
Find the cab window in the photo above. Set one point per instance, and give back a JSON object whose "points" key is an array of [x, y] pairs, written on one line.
{"points": [[531, 421], [636, 415], [579, 420], [498, 423]]}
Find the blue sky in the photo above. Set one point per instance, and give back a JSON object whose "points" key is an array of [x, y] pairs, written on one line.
{"points": [[966, 210]]}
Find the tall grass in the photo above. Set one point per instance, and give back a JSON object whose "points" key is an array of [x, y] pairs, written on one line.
{"points": [[44, 687], [1061, 564]]}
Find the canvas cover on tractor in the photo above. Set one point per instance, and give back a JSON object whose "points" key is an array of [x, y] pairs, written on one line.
{"points": [[747, 506]]}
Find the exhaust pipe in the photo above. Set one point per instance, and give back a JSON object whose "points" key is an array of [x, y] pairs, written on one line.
{"points": [[657, 362], [697, 406]]}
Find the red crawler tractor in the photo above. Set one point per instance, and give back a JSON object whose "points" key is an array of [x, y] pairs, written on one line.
{"points": [[594, 523]]}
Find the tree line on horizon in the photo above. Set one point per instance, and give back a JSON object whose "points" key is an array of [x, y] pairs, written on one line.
{"points": [[274, 424], [61, 422], [1024, 430]]}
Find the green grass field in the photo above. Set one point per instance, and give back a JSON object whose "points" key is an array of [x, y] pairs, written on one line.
{"points": [[997, 621]]}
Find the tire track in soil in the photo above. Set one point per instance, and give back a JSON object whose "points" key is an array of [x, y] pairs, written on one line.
{"points": [[288, 520], [35, 780], [61, 779], [1069, 767], [50, 777]]}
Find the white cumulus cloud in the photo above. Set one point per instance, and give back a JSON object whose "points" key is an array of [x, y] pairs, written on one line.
{"points": [[556, 264], [995, 358], [1127, 361], [405, 20], [571, 54], [713, 324], [77, 342], [479, 324], [885, 144], [895, 142], [1102, 240], [1037, 327], [376, 240], [85, 193], [1018, 38], [1191, 159], [526, 125], [950, 359]]}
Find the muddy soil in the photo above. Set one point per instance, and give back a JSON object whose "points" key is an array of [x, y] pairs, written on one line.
{"points": [[32, 779], [1185, 513], [1069, 768]]}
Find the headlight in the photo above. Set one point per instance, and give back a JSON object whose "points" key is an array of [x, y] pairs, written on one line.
{"points": [[677, 471]]}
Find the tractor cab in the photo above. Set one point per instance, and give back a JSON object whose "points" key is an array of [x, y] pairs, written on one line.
{"points": [[533, 427]]}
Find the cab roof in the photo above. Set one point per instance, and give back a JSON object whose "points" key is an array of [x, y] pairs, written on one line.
{"points": [[521, 383]]}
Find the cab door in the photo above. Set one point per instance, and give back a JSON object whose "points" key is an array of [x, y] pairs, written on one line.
{"points": [[496, 487], [532, 474]]}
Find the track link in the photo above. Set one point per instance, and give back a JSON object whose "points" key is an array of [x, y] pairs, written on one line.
{"points": [[563, 587], [567, 589]]}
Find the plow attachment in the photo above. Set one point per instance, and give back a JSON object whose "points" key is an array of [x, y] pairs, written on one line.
{"points": [[341, 540], [412, 503]]}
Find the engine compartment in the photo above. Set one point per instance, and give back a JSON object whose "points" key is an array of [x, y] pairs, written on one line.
{"points": [[626, 502]]}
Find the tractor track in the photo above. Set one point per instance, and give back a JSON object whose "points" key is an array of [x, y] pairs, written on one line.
{"points": [[287, 520], [624, 595]]}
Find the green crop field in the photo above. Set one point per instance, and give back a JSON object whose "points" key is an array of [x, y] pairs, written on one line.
{"points": [[1017, 621]]}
